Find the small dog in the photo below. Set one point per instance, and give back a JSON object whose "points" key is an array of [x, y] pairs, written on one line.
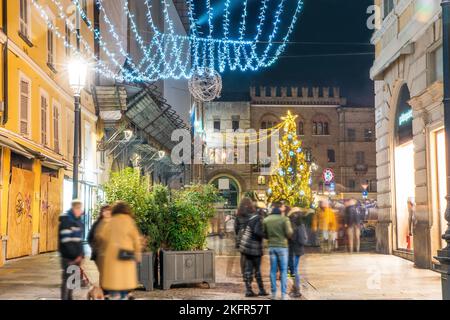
{"points": [[96, 293]]}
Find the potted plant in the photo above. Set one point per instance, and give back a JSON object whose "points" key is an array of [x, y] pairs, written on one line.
{"points": [[128, 185], [185, 258]]}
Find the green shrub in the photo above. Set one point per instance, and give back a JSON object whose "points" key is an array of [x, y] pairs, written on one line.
{"points": [[191, 212], [177, 222]]}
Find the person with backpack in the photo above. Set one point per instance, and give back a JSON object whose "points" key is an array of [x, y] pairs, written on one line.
{"points": [[251, 247], [296, 248]]}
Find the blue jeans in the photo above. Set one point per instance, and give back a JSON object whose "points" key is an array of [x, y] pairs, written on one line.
{"points": [[294, 263], [278, 260]]}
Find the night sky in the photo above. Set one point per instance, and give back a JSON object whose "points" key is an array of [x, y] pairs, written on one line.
{"points": [[344, 60]]}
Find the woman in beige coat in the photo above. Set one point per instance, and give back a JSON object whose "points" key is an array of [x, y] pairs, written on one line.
{"points": [[119, 250]]}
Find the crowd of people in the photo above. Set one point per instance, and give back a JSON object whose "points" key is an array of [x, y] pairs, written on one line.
{"points": [[116, 249], [286, 232]]}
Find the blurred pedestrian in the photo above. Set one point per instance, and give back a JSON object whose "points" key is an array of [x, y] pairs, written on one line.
{"points": [[251, 247], [325, 225], [104, 217], [297, 247], [278, 229], [246, 208], [119, 251], [70, 247], [352, 221]]}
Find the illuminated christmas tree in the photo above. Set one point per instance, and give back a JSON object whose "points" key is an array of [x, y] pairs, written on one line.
{"points": [[291, 181]]}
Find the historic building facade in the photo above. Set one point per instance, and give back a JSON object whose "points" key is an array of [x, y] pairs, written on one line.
{"points": [[409, 129], [335, 137], [36, 132]]}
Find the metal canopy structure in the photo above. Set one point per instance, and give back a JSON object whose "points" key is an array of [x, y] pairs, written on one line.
{"points": [[149, 112]]}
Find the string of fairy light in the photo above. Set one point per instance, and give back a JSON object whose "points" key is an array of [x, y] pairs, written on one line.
{"points": [[167, 55]]}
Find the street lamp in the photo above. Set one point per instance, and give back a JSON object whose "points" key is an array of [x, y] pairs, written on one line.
{"points": [[444, 254], [77, 81]]}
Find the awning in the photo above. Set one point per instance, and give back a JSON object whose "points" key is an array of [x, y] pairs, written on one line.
{"points": [[15, 147]]}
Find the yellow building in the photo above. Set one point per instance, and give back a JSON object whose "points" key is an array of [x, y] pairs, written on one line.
{"points": [[36, 132]]}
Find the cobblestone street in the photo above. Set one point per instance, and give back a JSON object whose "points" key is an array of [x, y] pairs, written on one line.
{"points": [[336, 276]]}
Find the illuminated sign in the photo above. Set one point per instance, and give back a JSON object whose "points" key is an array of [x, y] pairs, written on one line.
{"points": [[405, 117], [328, 175]]}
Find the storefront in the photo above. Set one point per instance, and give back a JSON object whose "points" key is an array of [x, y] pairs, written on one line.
{"points": [[404, 183]]}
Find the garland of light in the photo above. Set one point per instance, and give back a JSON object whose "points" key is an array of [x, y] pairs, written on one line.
{"points": [[168, 55]]}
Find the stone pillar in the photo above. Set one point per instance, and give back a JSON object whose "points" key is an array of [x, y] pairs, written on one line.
{"points": [[283, 92], [252, 92], [422, 230], [326, 92], [384, 197]]}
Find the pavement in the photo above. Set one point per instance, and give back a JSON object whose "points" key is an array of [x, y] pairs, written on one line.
{"points": [[338, 276]]}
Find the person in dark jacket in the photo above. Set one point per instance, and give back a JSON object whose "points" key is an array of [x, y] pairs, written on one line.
{"points": [[70, 246], [104, 216], [296, 247], [251, 247], [246, 208], [352, 221]]}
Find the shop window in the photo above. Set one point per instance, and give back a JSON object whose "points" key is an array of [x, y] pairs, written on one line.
{"points": [[331, 156]]}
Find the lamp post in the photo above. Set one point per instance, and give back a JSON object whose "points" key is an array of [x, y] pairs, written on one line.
{"points": [[77, 81], [444, 254]]}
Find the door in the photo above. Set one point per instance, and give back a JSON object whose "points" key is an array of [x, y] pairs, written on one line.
{"points": [[50, 211], [20, 216]]}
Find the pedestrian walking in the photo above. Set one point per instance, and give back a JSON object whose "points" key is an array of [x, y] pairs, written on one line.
{"points": [[325, 225], [277, 230], [104, 217], [246, 208], [352, 221], [119, 252], [251, 247], [70, 247], [297, 247]]}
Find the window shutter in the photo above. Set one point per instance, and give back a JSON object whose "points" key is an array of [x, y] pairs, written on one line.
{"points": [[44, 106], [24, 106], [56, 120]]}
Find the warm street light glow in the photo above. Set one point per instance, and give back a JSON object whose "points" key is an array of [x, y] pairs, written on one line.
{"points": [[77, 74]]}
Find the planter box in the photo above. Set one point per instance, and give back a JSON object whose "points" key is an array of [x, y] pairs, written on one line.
{"points": [[146, 271], [187, 267]]}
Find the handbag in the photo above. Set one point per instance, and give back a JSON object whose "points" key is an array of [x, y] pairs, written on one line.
{"points": [[126, 255]]}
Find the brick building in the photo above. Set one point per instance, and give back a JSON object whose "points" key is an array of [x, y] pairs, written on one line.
{"points": [[335, 136]]}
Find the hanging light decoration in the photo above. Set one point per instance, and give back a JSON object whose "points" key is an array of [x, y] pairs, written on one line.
{"points": [[167, 55]]}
